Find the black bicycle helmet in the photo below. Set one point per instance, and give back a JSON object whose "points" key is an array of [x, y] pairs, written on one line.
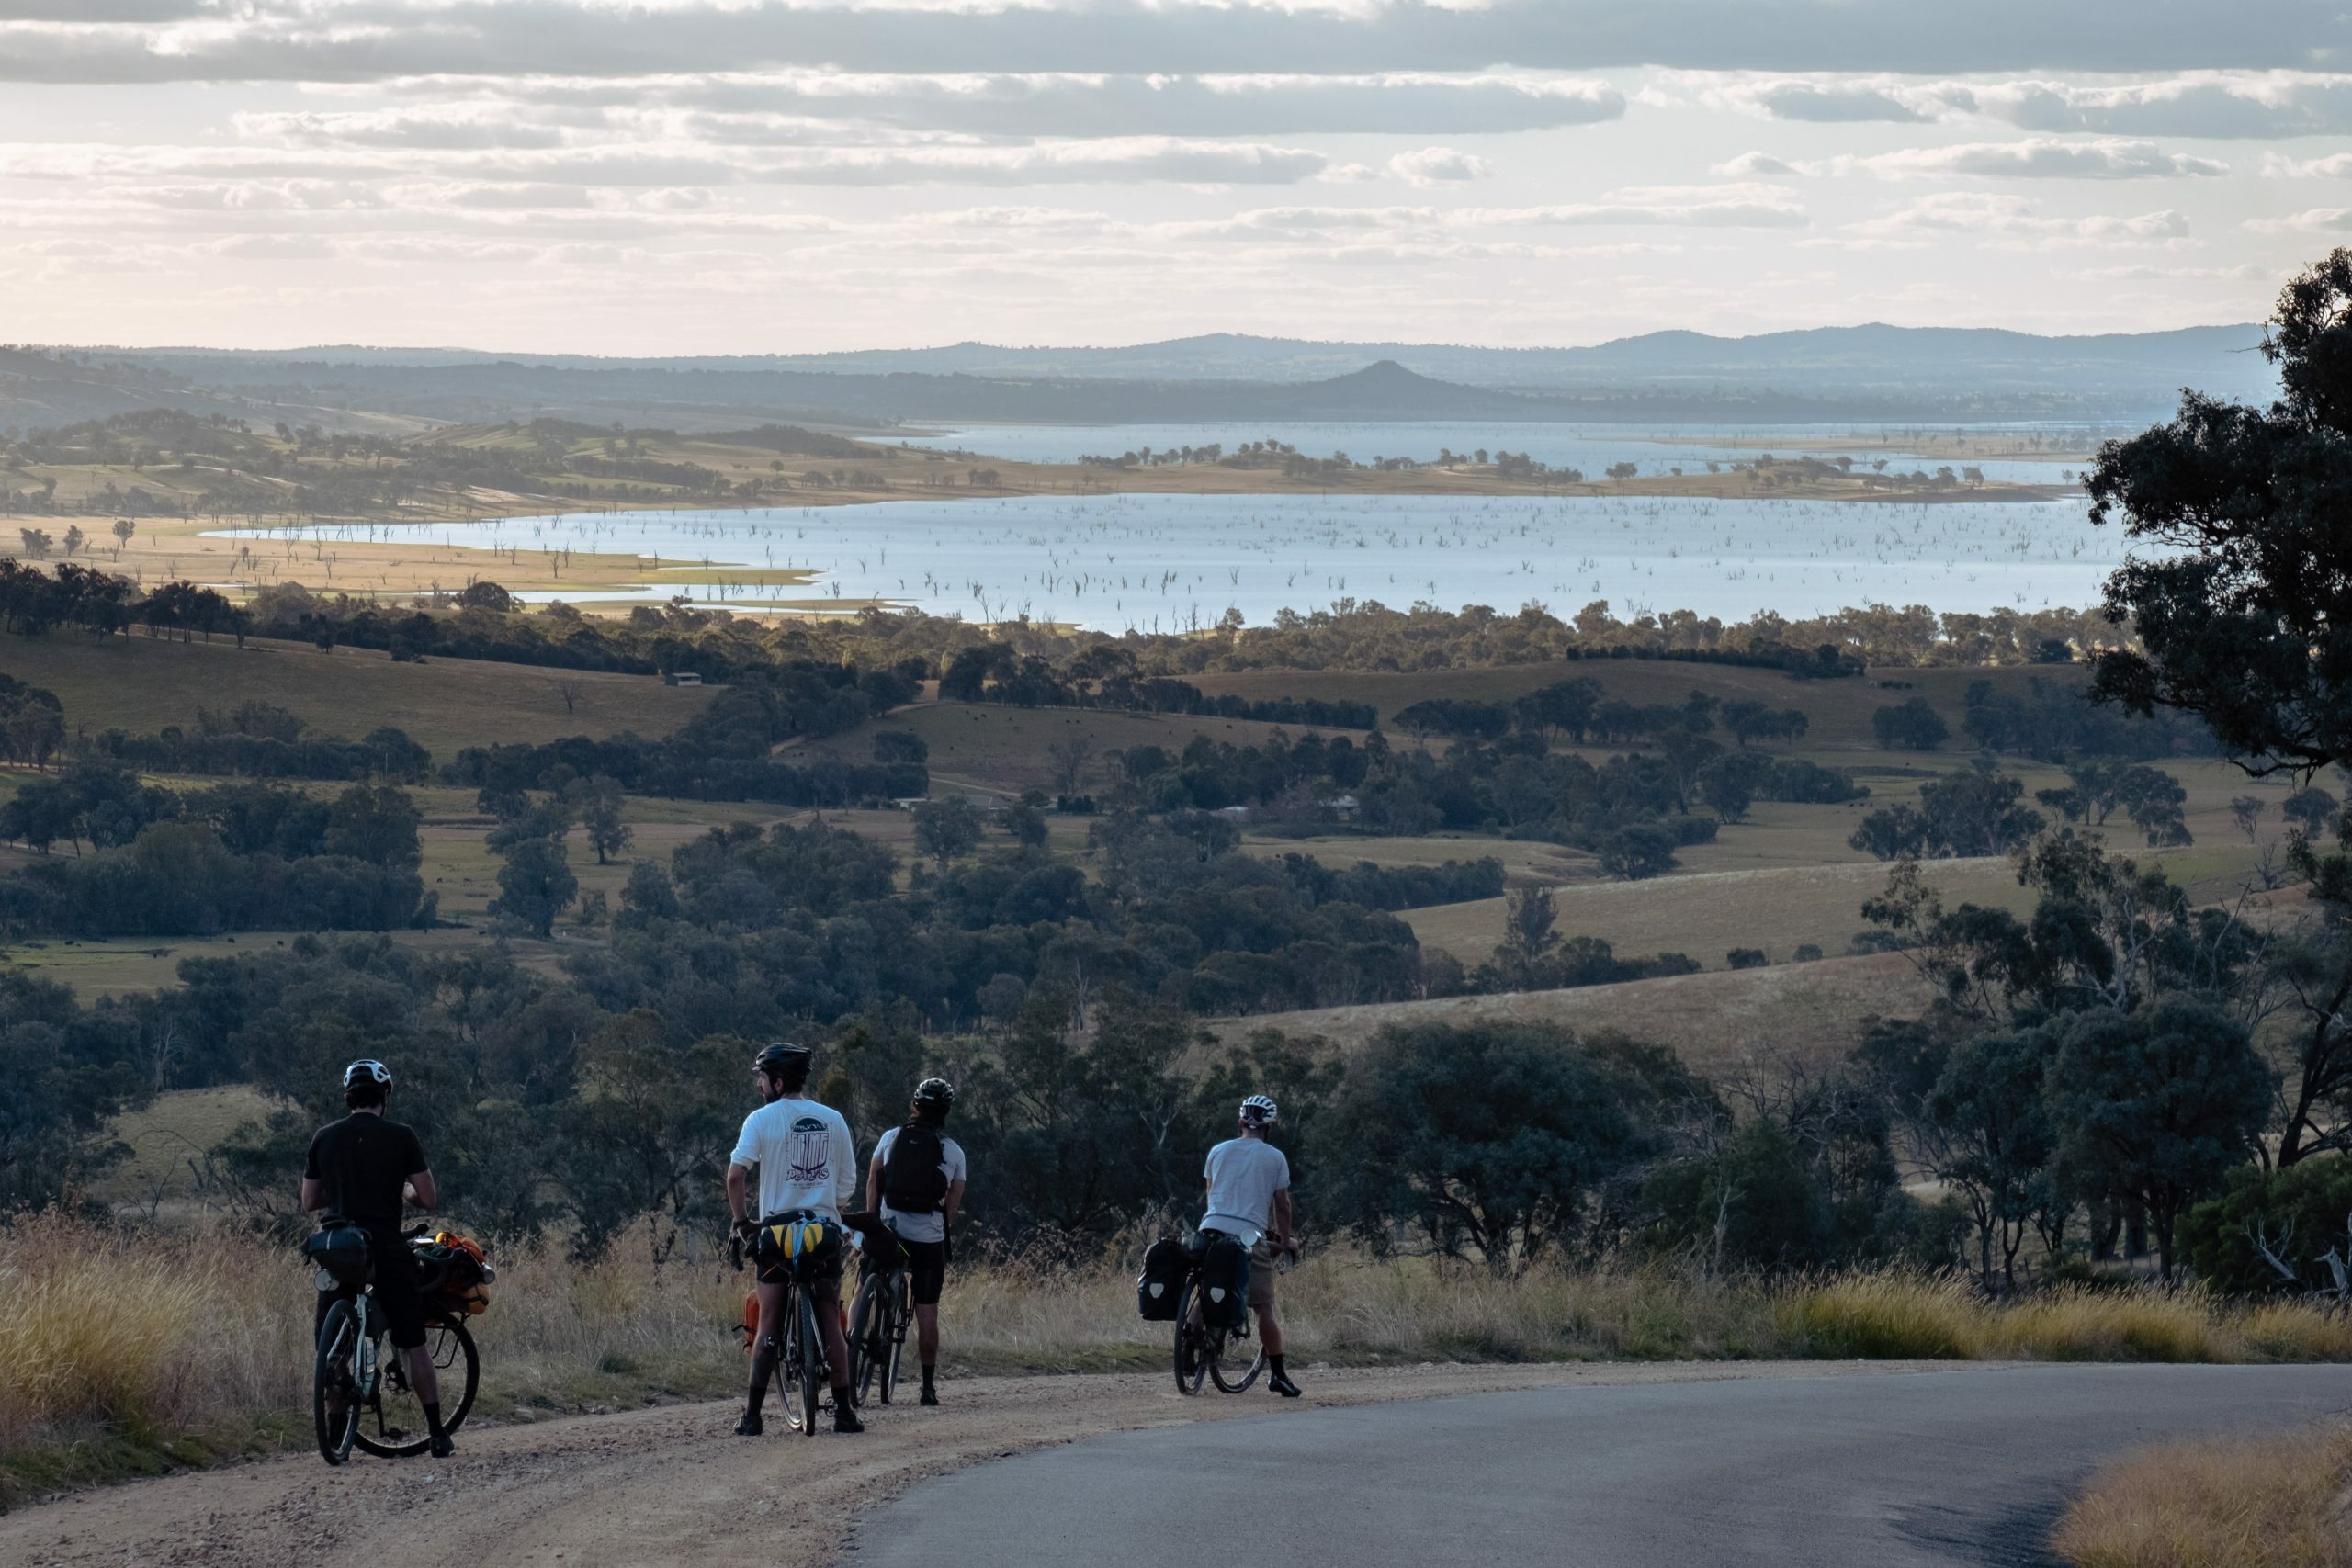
{"points": [[368, 1070], [934, 1091], [780, 1054]]}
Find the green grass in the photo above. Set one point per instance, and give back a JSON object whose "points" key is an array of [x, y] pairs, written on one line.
{"points": [[143, 684]]}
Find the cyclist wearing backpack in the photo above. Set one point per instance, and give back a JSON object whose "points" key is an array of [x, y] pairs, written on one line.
{"points": [[364, 1167], [1248, 1181], [807, 1166], [916, 1184]]}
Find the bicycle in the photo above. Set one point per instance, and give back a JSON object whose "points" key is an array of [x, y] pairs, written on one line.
{"points": [[801, 1371], [360, 1390], [1201, 1349], [877, 1341]]}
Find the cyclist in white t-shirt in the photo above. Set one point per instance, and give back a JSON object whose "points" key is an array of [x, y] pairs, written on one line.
{"points": [[917, 1201], [808, 1165], [1250, 1198]]}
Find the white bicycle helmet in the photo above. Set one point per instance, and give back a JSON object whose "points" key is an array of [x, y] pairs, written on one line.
{"points": [[368, 1070], [1260, 1111]]}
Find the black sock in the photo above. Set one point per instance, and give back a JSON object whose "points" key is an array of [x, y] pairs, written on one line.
{"points": [[763, 1369], [1276, 1362], [432, 1418], [927, 1371]]}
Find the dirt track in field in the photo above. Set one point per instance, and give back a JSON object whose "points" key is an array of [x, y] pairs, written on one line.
{"points": [[672, 1484]]}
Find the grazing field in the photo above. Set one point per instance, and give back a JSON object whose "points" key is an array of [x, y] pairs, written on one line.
{"points": [[143, 684], [1838, 713], [1810, 1013], [1704, 915]]}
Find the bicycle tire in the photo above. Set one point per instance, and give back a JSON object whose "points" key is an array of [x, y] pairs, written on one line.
{"points": [[1191, 1360], [334, 1367], [901, 1314], [1216, 1368], [461, 1352], [812, 1363], [786, 1370], [867, 1344]]}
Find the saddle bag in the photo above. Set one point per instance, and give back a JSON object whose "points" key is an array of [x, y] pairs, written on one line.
{"points": [[1225, 1282], [340, 1251], [1161, 1282]]}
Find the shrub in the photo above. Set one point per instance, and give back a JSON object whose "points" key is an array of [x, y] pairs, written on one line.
{"points": [[1746, 958]]}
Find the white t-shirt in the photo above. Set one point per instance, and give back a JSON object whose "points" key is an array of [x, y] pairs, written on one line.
{"points": [[1244, 1175], [805, 1157], [922, 1227]]}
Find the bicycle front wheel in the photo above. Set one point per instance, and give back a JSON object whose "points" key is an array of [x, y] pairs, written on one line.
{"points": [[1192, 1342], [392, 1425], [335, 1383], [869, 1340], [812, 1362]]}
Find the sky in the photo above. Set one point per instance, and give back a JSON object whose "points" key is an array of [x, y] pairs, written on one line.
{"points": [[750, 177]]}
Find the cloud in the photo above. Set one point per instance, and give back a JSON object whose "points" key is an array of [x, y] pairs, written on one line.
{"points": [[2034, 158], [1725, 206], [2334, 166], [2244, 271], [351, 40], [1755, 165], [2265, 105], [2009, 221], [2311, 220], [1438, 166]]}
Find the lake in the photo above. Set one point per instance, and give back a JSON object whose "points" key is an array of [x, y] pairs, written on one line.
{"points": [[1171, 563]]}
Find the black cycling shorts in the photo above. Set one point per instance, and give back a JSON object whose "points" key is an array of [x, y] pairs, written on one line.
{"points": [[926, 1269]]}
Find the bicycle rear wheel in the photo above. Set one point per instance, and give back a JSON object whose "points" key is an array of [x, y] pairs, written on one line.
{"points": [[1192, 1342], [335, 1383], [813, 1361], [1218, 1370], [786, 1372], [393, 1425]]}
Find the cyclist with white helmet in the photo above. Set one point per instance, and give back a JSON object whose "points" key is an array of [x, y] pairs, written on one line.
{"points": [[1248, 1181], [916, 1183], [367, 1168]]}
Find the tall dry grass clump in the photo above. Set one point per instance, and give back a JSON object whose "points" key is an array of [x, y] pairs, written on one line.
{"points": [[2266, 1501], [107, 1330]]}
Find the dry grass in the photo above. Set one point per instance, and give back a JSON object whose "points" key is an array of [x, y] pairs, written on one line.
{"points": [[1715, 1021], [125, 1349], [2247, 1502]]}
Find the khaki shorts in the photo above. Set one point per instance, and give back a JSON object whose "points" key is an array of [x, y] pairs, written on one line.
{"points": [[1261, 1274]]}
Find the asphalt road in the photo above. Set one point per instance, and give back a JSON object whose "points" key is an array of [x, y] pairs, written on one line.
{"points": [[1877, 1471]]}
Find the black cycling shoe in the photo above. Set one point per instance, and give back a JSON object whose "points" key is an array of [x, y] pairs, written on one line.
{"points": [[846, 1420], [929, 1397], [441, 1447], [750, 1426], [1281, 1384]]}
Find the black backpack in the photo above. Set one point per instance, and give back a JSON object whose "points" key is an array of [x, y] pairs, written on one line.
{"points": [[912, 1180]]}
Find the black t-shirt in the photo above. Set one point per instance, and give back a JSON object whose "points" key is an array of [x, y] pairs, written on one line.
{"points": [[362, 1161]]}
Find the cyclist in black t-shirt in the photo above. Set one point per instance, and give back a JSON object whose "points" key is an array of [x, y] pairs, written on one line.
{"points": [[365, 1168]]}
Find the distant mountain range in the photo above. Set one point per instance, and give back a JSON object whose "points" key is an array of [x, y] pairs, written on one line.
{"points": [[1863, 373]]}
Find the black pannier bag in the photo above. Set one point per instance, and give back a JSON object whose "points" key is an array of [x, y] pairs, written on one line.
{"points": [[1161, 1282], [341, 1250], [1225, 1282]]}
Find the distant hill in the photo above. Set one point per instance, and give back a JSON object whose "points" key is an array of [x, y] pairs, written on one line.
{"points": [[1860, 373]]}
